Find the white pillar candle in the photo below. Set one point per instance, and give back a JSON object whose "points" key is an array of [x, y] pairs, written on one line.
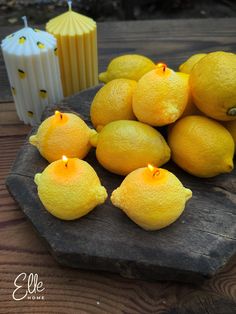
{"points": [[33, 70]]}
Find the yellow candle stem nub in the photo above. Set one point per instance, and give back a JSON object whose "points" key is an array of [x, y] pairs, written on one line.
{"points": [[232, 111], [161, 66], [154, 171], [65, 160]]}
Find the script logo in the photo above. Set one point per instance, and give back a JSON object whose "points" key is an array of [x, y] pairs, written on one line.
{"points": [[28, 287]]}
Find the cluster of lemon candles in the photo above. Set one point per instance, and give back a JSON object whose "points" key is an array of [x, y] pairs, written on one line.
{"points": [[69, 187], [44, 67]]}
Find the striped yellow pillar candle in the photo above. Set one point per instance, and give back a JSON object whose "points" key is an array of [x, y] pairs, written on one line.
{"points": [[77, 50]]}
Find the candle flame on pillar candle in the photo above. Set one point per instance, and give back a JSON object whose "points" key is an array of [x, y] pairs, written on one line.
{"points": [[65, 160], [161, 67], [154, 171]]}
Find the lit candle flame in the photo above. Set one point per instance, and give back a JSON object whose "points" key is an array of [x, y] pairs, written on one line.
{"points": [[153, 170], [65, 160], [58, 114], [162, 66]]}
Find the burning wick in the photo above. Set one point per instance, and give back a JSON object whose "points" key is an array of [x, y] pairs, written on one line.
{"points": [[58, 113], [153, 170], [162, 66], [65, 160]]}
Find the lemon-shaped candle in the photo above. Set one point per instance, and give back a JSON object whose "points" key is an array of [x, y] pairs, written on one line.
{"points": [[152, 197], [124, 145], [77, 50], [70, 188], [62, 133], [161, 96], [113, 102]]}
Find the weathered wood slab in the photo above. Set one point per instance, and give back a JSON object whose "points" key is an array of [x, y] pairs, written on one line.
{"points": [[193, 248]]}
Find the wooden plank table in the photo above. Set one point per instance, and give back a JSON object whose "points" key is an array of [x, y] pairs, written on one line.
{"points": [[77, 291]]}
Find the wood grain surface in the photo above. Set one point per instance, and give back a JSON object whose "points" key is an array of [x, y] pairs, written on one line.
{"points": [[75, 291]]}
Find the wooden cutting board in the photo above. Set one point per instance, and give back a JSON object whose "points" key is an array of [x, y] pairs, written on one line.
{"points": [[195, 247]]}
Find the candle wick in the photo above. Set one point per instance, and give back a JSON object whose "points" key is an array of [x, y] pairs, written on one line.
{"points": [[24, 18], [155, 172], [61, 116], [162, 66], [69, 5]]}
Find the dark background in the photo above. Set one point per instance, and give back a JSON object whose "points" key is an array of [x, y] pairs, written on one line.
{"points": [[39, 12]]}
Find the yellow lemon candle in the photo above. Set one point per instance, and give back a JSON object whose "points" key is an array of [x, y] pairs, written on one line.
{"points": [[124, 145], [152, 197], [161, 96], [62, 133], [69, 188], [77, 50]]}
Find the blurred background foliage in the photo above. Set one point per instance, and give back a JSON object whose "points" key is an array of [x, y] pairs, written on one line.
{"points": [[39, 12]]}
